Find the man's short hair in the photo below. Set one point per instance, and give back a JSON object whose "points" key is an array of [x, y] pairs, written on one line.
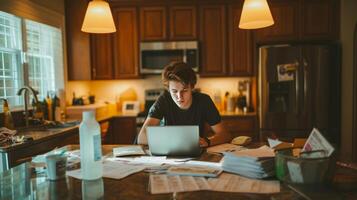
{"points": [[179, 71]]}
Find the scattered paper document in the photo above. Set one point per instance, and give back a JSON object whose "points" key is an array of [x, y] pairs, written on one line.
{"points": [[130, 150], [273, 143], [160, 184], [189, 170], [235, 183], [317, 141], [259, 153], [216, 165], [227, 147], [111, 170], [253, 163], [149, 160]]}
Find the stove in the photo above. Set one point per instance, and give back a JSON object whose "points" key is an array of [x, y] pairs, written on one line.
{"points": [[150, 97]]}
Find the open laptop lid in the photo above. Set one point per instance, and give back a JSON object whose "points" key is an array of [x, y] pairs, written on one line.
{"points": [[174, 140]]}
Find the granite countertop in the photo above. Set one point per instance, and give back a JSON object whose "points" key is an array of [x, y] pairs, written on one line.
{"points": [[37, 137]]}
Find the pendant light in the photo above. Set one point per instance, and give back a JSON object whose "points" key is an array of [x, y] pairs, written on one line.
{"points": [[255, 14], [98, 18]]}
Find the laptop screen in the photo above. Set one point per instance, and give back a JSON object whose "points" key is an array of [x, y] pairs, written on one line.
{"points": [[173, 140]]}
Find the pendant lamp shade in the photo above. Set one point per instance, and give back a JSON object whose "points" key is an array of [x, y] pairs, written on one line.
{"points": [[255, 14], [98, 18]]}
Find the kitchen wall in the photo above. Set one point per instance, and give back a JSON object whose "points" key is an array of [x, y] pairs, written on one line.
{"points": [[111, 90], [348, 21]]}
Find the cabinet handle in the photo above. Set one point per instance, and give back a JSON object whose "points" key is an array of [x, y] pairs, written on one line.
{"points": [[94, 72]]}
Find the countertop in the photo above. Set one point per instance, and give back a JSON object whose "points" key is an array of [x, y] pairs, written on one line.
{"points": [[38, 136], [21, 183]]}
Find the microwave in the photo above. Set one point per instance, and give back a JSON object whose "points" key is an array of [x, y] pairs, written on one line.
{"points": [[154, 56]]}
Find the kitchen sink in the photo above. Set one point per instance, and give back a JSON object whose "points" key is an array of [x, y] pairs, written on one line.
{"points": [[48, 125]]}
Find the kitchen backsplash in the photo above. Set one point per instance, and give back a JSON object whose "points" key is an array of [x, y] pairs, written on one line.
{"points": [[111, 90]]}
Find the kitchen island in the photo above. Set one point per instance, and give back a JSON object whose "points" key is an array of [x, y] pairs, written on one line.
{"points": [[20, 182]]}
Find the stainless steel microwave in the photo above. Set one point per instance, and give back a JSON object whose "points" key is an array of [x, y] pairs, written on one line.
{"points": [[154, 56]]}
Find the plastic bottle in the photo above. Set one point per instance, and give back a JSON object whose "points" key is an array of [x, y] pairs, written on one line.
{"points": [[49, 107], [8, 121], [90, 147]]}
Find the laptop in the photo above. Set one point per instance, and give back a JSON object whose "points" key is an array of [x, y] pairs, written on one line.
{"points": [[173, 140]]}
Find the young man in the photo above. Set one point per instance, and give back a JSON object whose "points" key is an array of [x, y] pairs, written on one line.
{"points": [[179, 105]]}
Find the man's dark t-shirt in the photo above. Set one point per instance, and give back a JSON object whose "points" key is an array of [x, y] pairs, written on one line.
{"points": [[201, 111]]}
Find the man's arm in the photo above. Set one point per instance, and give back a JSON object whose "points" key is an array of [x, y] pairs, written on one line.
{"points": [[221, 135], [142, 138]]}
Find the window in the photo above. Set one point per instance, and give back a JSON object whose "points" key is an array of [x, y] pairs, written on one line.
{"points": [[30, 56]]}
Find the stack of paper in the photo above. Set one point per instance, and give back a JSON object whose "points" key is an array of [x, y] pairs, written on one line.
{"points": [[253, 163]]}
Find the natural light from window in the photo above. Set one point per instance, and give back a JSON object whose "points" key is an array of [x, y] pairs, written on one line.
{"points": [[37, 62]]}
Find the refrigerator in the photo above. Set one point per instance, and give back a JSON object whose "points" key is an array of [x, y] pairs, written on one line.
{"points": [[299, 89]]}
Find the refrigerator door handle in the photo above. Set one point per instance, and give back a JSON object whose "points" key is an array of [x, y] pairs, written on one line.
{"points": [[297, 95]]}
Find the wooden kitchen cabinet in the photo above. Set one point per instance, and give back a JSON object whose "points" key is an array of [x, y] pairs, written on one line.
{"points": [[153, 23], [122, 130], [238, 125], [213, 40], [183, 23], [178, 23], [78, 45], [320, 19], [241, 125], [305, 20], [126, 44], [286, 22], [240, 45], [102, 56]]}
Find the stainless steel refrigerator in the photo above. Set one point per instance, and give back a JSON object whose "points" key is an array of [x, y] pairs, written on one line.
{"points": [[299, 88]]}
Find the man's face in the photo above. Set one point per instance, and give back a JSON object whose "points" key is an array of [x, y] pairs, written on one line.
{"points": [[181, 94]]}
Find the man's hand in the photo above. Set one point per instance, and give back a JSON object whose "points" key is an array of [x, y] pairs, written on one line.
{"points": [[203, 142]]}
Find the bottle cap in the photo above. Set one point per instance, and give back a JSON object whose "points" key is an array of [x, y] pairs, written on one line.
{"points": [[88, 115]]}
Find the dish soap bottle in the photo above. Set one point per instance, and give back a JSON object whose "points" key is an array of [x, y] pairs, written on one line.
{"points": [[90, 147], [8, 121]]}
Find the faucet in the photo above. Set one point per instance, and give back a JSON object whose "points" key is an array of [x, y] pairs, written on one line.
{"points": [[27, 90]]}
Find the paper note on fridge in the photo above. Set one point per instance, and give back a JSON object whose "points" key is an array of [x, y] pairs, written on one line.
{"points": [[317, 141]]}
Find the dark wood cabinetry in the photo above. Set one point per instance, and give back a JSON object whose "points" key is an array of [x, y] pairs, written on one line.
{"points": [[213, 40], [126, 61], [225, 50], [168, 23], [182, 23], [240, 45], [320, 19], [122, 130], [301, 20], [286, 22], [153, 23], [102, 56], [78, 47], [241, 125], [238, 125]]}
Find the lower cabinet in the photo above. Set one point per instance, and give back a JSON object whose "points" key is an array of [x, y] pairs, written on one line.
{"points": [[122, 130], [239, 125]]}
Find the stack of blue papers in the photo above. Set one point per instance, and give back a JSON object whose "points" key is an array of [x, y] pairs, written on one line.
{"points": [[252, 163]]}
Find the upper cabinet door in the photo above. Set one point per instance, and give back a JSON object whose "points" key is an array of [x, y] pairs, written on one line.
{"points": [[213, 40], [320, 19], [286, 22], [183, 23], [153, 23], [126, 62], [78, 46], [102, 55], [240, 45]]}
